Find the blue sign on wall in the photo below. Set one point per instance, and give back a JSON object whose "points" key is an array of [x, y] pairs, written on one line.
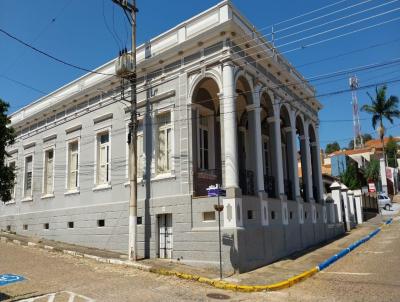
{"points": [[6, 279]]}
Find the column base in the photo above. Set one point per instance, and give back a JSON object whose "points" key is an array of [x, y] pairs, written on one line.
{"points": [[233, 192]]}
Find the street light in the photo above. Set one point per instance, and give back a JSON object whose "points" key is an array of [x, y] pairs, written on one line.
{"points": [[217, 191]]}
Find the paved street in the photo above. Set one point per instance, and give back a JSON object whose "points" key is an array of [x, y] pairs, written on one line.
{"points": [[370, 273]]}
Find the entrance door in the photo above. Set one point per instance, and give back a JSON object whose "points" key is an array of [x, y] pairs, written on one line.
{"points": [[165, 236]]}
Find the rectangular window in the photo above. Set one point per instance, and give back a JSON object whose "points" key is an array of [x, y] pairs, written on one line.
{"points": [[28, 176], [203, 146], [103, 158], [73, 165], [48, 172], [164, 156], [13, 166]]}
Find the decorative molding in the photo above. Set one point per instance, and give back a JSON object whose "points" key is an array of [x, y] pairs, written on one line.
{"points": [[49, 137], [29, 145], [102, 118], [73, 129]]}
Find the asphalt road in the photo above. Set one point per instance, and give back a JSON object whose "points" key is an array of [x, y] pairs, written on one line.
{"points": [[370, 273]]}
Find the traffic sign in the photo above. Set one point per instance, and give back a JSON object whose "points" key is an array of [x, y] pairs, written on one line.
{"points": [[6, 279]]}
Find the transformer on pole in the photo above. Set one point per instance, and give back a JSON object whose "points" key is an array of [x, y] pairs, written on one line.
{"points": [[358, 139]]}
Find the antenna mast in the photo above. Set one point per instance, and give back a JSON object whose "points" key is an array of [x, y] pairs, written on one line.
{"points": [[353, 81]]}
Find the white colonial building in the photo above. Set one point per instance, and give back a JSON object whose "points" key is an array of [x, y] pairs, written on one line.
{"points": [[217, 104]]}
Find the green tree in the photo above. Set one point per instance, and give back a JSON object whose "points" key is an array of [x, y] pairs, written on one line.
{"points": [[380, 108], [332, 147], [7, 136], [391, 152], [366, 137], [371, 172], [351, 177]]}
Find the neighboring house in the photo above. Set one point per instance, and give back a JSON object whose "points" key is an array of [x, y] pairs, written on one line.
{"points": [[215, 106]]}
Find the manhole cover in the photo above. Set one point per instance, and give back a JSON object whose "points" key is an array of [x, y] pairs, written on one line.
{"points": [[218, 296]]}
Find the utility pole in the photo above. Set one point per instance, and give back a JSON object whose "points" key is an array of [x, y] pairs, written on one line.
{"points": [[129, 61]]}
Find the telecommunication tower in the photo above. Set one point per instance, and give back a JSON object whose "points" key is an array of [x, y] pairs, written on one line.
{"points": [[358, 139]]}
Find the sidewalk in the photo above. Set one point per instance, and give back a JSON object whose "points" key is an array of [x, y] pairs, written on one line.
{"points": [[273, 273]]}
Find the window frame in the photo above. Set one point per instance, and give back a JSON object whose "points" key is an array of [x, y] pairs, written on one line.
{"points": [[44, 183], [67, 170], [165, 128], [97, 145], [208, 114], [24, 196]]}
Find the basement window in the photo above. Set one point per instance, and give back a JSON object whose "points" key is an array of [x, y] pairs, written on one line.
{"points": [[208, 216], [250, 214], [70, 224], [272, 215], [101, 223], [46, 226], [139, 220], [290, 215], [305, 215], [9, 228], [25, 227]]}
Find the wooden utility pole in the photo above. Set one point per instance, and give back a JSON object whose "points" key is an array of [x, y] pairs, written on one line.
{"points": [[132, 139]]}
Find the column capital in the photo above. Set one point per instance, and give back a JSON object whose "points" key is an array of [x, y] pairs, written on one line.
{"points": [[253, 107], [314, 144], [287, 129], [271, 119], [227, 62]]}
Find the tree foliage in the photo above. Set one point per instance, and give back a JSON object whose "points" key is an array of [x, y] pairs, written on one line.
{"points": [[371, 172], [391, 152], [382, 107], [7, 136], [351, 177], [332, 147]]}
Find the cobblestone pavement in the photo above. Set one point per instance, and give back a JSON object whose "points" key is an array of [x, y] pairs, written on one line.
{"points": [[370, 273]]}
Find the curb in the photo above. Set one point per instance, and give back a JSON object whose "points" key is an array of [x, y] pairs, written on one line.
{"points": [[217, 283], [276, 286]]}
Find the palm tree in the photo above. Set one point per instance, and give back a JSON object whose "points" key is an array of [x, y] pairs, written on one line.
{"points": [[381, 108]]}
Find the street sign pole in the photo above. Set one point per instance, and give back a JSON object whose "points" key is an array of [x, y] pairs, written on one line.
{"points": [[216, 191]]}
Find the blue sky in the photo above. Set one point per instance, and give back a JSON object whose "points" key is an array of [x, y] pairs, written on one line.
{"points": [[75, 31]]}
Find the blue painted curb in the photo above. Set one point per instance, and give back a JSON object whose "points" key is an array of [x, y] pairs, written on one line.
{"points": [[324, 264]]}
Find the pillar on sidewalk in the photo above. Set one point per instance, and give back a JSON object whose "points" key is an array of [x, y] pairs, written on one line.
{"points": [[345, 201], [358, 204], [352, 213], [337, 197]]}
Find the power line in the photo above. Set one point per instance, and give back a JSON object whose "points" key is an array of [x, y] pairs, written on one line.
{"points": [[347, 53], [51, 56], [336, 20], [23, 84], [340, 27]]}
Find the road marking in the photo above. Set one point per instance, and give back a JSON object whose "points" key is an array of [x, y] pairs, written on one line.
{"points": [[370, 252], [347, 273], [51, 297]]}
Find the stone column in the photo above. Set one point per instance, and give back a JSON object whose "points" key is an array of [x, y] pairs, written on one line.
{"points": [[336, 196], [230, 128], [256, 113], [318, 168], [306, 165], [277, 143], [294, 169]]}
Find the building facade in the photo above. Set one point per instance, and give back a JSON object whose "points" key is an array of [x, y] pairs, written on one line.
{"points": [[217, 104]]}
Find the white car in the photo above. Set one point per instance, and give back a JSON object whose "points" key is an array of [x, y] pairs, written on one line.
{"points": [[384, 201]]}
